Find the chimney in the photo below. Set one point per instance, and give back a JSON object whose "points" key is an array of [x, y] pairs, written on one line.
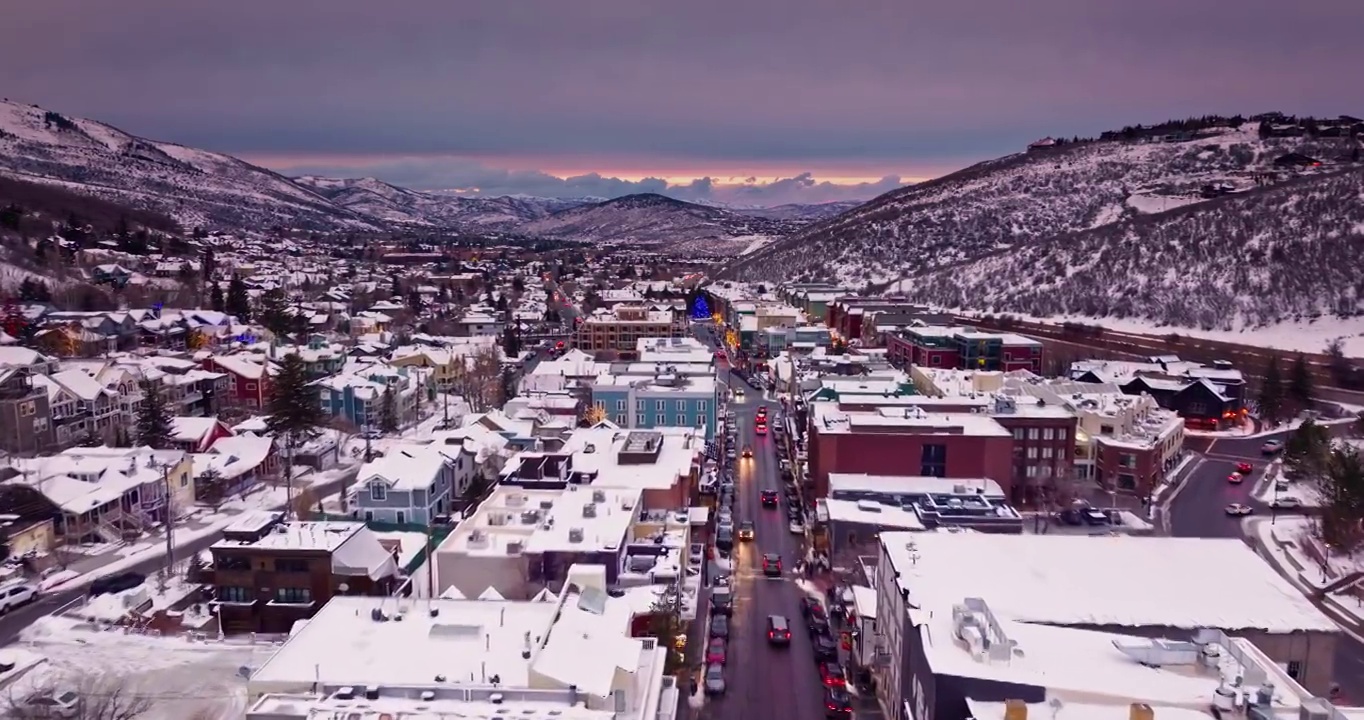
{"points": [[1141, 711], [1015, 710]]}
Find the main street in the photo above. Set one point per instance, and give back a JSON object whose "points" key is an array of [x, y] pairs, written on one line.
{"points": [[764, 681], [1198, 510]]}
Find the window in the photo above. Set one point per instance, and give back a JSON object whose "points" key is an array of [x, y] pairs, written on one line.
{"points": [[1294, 669], [639, 419], [1126, 482], [620, 419], [402, 517], [682, 421], [1018, 433], [1106, 429], [620, 405], [26, 409], [1031, 471], [291, 565], [1048, 433], [639, 405], [934, 461], [1032, 433], [297, 596], [378, 491], [235, 595], [681, 405], [660, 420], [1032, 452], [1047, 453], [660, 404], [700, 406], [1127, 460], [1062, 433]]}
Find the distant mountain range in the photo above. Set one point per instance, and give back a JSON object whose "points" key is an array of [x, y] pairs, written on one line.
{"points": [[211, 190], [1213, 223]]}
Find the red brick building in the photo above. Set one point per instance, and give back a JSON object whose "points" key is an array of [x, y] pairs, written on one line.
{"points": [[964, 348], [906, 441], [846, 314]]}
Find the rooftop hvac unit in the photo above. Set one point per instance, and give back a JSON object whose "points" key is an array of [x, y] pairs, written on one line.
{"points": [[575, 535], [546, 504], [589, 510], [514, 548], [598, 496]]}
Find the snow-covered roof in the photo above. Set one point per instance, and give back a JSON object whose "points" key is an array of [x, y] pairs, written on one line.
{"points": [[513, 520], [1104, 581], [407, 467]]}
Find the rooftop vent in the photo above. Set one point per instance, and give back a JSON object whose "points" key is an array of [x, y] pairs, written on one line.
{"points": [[345, 693], [598, 496], [589, 510], [575, 535], [589, 449]]}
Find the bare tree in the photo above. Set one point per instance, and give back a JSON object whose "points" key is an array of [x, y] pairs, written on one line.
{"points": [[86, 698], [478, 378]]}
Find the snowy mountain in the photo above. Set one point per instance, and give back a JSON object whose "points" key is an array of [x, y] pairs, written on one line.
{"points": [[650, 219], [1219, 228], [194, 187], [397, 205], [800, 212]]}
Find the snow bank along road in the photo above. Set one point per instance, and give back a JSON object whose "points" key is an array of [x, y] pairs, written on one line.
{"points": [[17, 620]]}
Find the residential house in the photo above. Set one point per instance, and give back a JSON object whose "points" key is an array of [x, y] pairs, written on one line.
{"points": [[410, 484], [356, 395], [25, 414], [248, 379], [96, 406], [235, 466], [267, 574], [14, 356], [197, 434]]}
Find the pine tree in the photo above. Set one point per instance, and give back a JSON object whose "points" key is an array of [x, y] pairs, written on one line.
{"points": [[1271, 393], [215, 297], [1300, 388], [396, 290], [511, 341], [238, 303], [274, 312], [665, 623], [294, 408], [388, 413], [153, 419]]}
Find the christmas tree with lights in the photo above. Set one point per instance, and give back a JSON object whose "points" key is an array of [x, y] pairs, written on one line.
{"points": [[700, 309]]}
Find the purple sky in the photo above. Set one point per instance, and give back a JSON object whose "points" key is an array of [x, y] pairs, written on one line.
{"points": [[838, 100]]}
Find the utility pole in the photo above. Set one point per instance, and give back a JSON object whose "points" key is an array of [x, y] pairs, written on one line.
{"points": [[430, 561], [289, 439]]}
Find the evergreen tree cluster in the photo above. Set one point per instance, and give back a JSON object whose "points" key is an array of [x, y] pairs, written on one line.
{"points": [[1278, 399], [1337, 472]]}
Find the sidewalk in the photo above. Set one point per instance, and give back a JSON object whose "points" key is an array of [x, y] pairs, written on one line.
{"points": [[1277, 542]]}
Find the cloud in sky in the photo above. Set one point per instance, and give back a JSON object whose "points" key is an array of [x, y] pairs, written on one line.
{"points": [[478, 179], [715, 87]]}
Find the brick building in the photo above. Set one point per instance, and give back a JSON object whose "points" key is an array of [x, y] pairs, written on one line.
{"points": [[964, 348]]}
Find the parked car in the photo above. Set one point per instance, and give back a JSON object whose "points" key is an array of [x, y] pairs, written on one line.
{"points": [[1271, 447], [1239, 510], [116, 583], [721, 603], [810, 607], [724, 538], [837, 703], [717, 652], [1235, 478], [1288, 502], [714, 682], [696, 553], [60, 703], [825, 648], [831, 674], [719, 626], [16, 595], [1244, 468], [796, 527]]}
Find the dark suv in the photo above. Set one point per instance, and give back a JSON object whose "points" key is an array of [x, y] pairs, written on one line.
{"points": [[769, 498], [778, 630]]}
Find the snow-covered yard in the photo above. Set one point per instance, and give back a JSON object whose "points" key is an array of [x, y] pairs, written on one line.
{"points": [[1277, 489], [180, 677]]}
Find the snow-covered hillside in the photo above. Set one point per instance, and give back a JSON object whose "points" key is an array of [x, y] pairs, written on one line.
{"points": [[1015, 200], [392, 204], [195, 187], [650, 219]]}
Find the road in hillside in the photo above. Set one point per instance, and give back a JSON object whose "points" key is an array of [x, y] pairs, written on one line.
{"points": [[1199, 511], [15, 622], [765, 681]]}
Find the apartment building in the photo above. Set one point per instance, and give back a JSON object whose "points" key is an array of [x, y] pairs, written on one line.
{"points": [[268, 574], [25, 413], [663, 464], [666, 398], [964, 348], [617, 332]]}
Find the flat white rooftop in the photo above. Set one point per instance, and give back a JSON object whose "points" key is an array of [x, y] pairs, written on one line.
{"points": [[468, 642], [297, 535], [410, 708], [1187, 583], [912, 484], [514, 520]]}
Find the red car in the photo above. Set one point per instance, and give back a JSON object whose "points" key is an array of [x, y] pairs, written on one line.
{"points": [[1235, 478], [762, 412], [831, 674], [1244, 468], [760, 428], [717, 653]]}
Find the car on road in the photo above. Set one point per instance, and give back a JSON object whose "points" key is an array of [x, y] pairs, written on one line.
{"points": [[748, 451], [772, 565], [760, 428], [116, 583], [58, 703], [825, 648], [17, 595], [738, 393], [714, 682], [831, 674], [717, 652], [1271, 447], [796, 527], [1244, 468], [1288, 502], [746, 530], [762, 412], [837, 703], [719, 626], [778, 630], [1239, 510], [1235, 478], [768, 498]]}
